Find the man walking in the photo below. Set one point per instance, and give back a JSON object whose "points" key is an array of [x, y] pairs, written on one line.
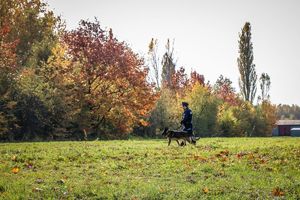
{"points": [[187, 117]]}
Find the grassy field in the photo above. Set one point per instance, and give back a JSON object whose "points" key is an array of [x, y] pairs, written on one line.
{"points": [[216, 168]]}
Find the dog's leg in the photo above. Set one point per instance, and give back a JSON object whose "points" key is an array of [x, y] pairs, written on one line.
{"points": [[192, 140], [189, 140], [178, 143], [169, 141], [183, 143]]}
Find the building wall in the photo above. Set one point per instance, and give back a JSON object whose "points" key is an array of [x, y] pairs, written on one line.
{"points": [[275, 131], [285, 130]]}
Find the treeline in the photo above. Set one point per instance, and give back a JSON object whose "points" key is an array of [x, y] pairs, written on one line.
{"points": [[218, 110], [58, 84], [288, 112], [85, 83]]}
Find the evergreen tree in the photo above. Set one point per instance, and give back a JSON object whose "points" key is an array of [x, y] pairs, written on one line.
{"points": [[248, 77]]}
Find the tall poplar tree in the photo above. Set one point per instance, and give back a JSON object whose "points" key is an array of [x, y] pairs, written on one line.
{"points": [[248, 77], [168, 65]]}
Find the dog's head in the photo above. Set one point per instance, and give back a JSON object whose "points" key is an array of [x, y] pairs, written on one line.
{"points": [[165, 133]]}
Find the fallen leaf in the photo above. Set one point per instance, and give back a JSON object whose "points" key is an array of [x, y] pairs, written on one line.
{"points": [[205, 190], [200, 158], [241, 154], [263, 161], [225, 152], [15, 170], [14, 158], [250, 156], [222, 154], [277, 192], [219, 155], [224, 159]]}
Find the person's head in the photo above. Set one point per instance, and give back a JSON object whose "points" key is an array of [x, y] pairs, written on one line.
{"points": [[185, 105]]}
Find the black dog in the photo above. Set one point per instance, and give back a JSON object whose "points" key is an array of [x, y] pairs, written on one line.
{"points": [[180, 135]]}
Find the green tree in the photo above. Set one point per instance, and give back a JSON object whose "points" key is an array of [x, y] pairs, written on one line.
{"points": [[246, 116], [265, 119], [167, 111], [248, 77], [47, 114], [227, 122], [205, 109]]}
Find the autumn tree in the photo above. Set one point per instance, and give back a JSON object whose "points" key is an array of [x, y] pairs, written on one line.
{"points": [[8, 61], [195, 77], [248, 77], [32, 29], [180, 81], [33, 25], [265, 119], [107, 79], [224, 90], [57, 83], [8, 71], [168, 109]]}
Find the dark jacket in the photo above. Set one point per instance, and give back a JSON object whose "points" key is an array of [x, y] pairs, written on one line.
{"points": [[186, 121]]}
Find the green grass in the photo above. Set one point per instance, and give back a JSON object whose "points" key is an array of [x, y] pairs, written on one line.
{"points": [[216, 168]]}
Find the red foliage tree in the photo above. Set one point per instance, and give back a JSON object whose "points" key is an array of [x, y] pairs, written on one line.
{"points": [[180, 80], [197, 78], [8, 69], [7, 49], [108, 79], [224, 91], [8, 62]]}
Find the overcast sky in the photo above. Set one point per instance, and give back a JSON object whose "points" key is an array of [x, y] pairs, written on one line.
{"points": [[206, 34]]}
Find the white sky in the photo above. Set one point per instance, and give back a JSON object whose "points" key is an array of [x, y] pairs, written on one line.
{"points": [[206, 34]]}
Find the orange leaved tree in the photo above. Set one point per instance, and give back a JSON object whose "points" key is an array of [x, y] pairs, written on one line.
{"points": [[110, 92]]}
